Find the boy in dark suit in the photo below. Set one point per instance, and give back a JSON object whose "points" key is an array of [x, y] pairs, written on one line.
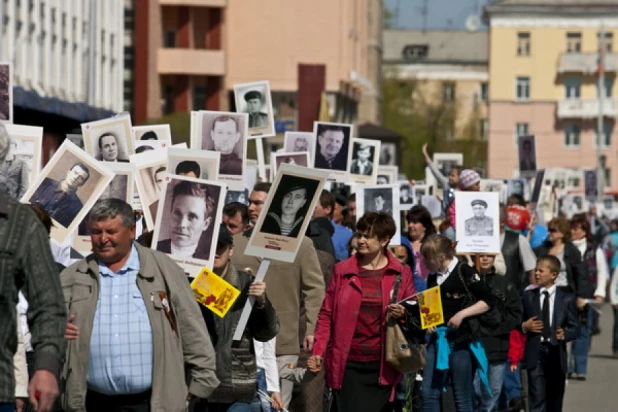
{"points": [[551, 322]]}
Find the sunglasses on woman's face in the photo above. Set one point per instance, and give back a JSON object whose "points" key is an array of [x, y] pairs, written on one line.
{"points": [[552, 230]]}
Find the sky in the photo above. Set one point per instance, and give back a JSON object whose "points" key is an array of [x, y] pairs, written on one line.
{"points": [[442, 14]]}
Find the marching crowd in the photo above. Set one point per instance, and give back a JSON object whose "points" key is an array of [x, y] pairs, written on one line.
{"points": [[120, 330]]}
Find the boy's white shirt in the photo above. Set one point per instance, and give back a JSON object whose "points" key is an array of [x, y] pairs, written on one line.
{"points": [[266, 359]]}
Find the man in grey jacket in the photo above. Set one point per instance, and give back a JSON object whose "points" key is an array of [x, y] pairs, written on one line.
{"points": [[137, 338]]}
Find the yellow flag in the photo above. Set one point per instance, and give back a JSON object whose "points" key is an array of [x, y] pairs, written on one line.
{"points": [[213, 292], [431, 308], [324, 110]]}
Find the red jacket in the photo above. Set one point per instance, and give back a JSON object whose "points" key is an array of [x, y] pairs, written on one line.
{"points": [[339, 313], [517, 346]]}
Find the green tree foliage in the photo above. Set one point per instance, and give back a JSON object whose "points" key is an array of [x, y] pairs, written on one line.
{"points": [[180, 125]]}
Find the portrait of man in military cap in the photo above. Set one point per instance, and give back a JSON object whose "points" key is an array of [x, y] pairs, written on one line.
{"points": [[479, 224], [254, 99]]}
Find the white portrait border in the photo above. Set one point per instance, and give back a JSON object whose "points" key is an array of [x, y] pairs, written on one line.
{"points": [[268, 103], [396, 212], [477, 244]]}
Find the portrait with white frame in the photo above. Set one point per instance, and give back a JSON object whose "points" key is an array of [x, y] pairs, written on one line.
{"points": [[188, 225], [98, 140], [25, 148], [297, 158], [161, 133], [364, 170], [255, 100], [299, 142], [79, 175], [380, 198], [150, 172], [335, 141], [287, 211], [206, 162], [407, 195], [478, 222], [387, 175]]}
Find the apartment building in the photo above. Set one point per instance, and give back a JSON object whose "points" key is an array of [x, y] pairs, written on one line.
{"points": [[543, 70]]}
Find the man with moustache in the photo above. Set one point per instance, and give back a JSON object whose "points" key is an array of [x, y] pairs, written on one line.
{"points": [[192, 208], [225, 135], [108, 144], [331, 140], [59, 198], [137, 339]]}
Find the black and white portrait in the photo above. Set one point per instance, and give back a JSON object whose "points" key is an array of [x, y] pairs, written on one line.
{"points": [[255, 100], [527, 155], [155, 133], [237, 196], [109, 140], [287, 211], [6, 92], [68, 187], [406, 195], [516, 187], [23, 159], [379, 199], [383, 179], [198, 164], [151, 169], [477, 224], [77, 140], [332, 145], [387, 175], [539, 182], [388, 155], [591, 185], [491, 185], [294, 142], [363, 159], [299, 159], [290, 206]]}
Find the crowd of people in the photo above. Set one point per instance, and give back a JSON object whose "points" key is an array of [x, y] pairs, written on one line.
{"points": [[121, 330]]}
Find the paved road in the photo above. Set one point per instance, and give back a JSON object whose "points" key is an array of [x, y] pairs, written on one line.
{"points": [[600, 391]]}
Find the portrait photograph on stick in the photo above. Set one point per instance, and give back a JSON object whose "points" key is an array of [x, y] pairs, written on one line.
{"points": [[406, 195], [299, 142], [539, 182], [121, 187], [156, 133], [293, 158], [6, 92], [254, 99], [527, 155], [68, 187], [363, 161], [286, 213], [150, 171], [517, 187], [227, 134], [379, 198], [591, 185], [199, 164], [478, 222], [189, 219], [109, 140], [22, 162], [332, 145], [387, 175]]}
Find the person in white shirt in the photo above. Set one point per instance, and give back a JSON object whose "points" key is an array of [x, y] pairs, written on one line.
{"points": [[267, 376]]}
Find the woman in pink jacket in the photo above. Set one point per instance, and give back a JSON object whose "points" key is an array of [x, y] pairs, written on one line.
{"points": [[350, 331]]}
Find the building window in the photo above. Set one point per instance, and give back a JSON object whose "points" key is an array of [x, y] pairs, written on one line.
{"points": [[448, 92], [169, 40], [483, 128], [606, 136], [523, 44], [199, 97], [523, 88], [484, 91], [572, 87], [608, 86], [608, 41], [521, 129], [574, 42], [168, 99], [571, 135]]}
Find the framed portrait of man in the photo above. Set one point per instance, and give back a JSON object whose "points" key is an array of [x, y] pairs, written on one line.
{"points": [[292, 158], [254, 99], [121, 187], [188, 221], [388, 155], [294, 142], [6, 92], [198, 164], [527, 155], [22, 163], [363, 161], [68, 187], [478, 222], [332, 146], [109, 140], [150, 172], [407, 195], [591, 185], [387, 175], [286, 213], [225, 133], [160, 134], [77, 140], [379, 198]]}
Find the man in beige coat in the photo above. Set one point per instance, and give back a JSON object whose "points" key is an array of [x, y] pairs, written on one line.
{"points": [[289, 287], [137, 337]]}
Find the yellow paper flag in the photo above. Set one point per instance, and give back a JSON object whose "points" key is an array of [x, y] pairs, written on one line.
{"points": [[213, 292], [431, 308]]}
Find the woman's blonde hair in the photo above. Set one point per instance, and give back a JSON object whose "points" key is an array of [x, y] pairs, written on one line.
{"points": [[435, 245]]}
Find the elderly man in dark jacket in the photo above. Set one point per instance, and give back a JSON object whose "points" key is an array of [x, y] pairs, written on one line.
{"points": [[236, 368]]}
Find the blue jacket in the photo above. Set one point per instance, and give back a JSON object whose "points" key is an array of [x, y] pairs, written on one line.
{"points": [[340, 239]]}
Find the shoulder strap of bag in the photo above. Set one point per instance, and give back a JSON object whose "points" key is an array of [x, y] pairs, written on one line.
{"points": [[396, 288], [465, 284]]}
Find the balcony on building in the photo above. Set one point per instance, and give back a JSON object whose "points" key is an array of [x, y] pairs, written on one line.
{"points": [[194, 3], [576, 108], [195, 62], [586, 62]]}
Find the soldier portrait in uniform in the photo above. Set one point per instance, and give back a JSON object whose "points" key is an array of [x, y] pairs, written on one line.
{"points": [[479, 225], [254, 99]]}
